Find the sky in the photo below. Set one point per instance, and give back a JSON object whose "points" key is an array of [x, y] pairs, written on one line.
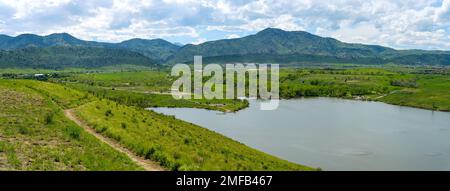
{"points": [[401, 24]]}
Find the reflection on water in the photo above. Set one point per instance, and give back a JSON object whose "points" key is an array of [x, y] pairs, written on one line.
{"points": [[337, 134]]}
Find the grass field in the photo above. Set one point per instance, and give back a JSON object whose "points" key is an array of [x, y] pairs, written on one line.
{"points": [[35, 135], [421, 87], [142, 81], [399, 86], [116, 68], [145, 100]]}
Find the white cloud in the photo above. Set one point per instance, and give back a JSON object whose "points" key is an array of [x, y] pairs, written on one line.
{"points": [[199, 41], [231, 36]]}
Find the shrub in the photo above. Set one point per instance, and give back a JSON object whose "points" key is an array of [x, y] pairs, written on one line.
{"points": [[108, 113], [73, 132], [101, 129], [409, 83], [49, 118], [23, 130]]}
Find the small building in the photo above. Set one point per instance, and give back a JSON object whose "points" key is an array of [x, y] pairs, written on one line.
{"points": [[40, 76]]}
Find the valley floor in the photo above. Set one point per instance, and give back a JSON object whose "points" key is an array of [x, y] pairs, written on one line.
{"points": [[98, 121]]}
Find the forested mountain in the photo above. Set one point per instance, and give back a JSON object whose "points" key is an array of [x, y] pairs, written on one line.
{"points": [[57, 57], [276, 45], [31, 40], [156, 49], [269, 45]]}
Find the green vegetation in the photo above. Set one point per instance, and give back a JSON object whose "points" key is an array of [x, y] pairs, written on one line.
{"points": [[156, 49], [145, 100], [297, 47], [68, 57], [35, 135], [109, 84], [175, 144], [270, 45], [22, 72], [39, 137], [143, 89], [408, 87], [429, 92], [143, 81], [422, 87]]}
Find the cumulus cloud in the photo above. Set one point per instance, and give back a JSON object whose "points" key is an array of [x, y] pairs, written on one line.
{"points": [[400, 24], [231, 36]]}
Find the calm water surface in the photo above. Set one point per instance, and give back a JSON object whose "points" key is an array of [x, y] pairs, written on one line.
{"points": [[336, 134]]}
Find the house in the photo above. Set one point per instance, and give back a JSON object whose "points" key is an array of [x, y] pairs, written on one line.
{"points": [[40, 76]]}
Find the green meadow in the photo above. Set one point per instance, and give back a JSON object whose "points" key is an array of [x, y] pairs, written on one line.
{"points": [[421, 87], [35, 134]]}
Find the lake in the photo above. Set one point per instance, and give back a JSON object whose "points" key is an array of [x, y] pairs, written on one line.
{"points": [[336, 134]]}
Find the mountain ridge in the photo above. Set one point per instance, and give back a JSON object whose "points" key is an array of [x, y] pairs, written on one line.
{"points": [[60, 57], [277, 45], [158, 49], [272, 44]]}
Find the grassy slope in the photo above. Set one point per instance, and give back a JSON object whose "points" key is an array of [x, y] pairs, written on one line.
{"points": [[173, 143], [35, 135]]}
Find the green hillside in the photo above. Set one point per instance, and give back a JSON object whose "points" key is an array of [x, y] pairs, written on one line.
{"points": [[35, 135], [58, 57], [276, 45], [156, 49], [270, 45]]}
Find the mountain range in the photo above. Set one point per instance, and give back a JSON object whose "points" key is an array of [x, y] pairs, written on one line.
{"points": [[269, 45]]}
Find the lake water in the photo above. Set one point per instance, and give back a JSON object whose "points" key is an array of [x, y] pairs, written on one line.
{"points": [[336, 134]]}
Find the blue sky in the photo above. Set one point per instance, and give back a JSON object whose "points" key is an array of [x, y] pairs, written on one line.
{"points": [[423, 24]]}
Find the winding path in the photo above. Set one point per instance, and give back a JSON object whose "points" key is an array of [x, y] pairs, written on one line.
{"points": [[144, 163]]}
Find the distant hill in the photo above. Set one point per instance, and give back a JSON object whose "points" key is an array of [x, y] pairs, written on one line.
{"points": [[269, 45], [31, 40], [156, 49], [4, 38], [276, 45], [58, 57]]}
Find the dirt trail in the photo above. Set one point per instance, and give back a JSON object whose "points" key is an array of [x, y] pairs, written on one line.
{"points": [[144, 163]]}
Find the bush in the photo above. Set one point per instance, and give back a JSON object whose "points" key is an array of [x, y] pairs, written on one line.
{"points": [[73, 132], [408, 83], [101, 129], [108, 113], [23, 130], [49, 118]]}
